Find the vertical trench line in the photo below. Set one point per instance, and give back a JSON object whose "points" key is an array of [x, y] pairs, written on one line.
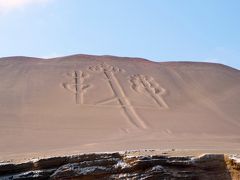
{"points": [[161, 99], [151, 94], [129, 108], [110, 82], [125, 104], [80, 83], [109, 76], [76, 86]]}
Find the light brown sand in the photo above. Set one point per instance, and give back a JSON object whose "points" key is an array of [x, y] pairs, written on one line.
{"points": [[86, 103]]}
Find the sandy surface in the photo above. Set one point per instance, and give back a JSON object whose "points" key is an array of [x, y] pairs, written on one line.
{"points": [[82, 103]]}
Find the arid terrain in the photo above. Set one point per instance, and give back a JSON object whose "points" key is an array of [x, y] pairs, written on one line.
{"points": [[83, 104]]}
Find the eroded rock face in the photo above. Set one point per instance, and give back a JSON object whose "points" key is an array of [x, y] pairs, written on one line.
{"points": [[126, 166]]}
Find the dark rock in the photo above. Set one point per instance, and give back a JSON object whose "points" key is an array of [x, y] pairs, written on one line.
{"points": [[125, 166]]}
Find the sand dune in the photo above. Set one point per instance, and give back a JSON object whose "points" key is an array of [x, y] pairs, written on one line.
{"points": [[102, 103]]}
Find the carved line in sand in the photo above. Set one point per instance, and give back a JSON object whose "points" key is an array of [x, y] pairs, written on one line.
{"points": [[140, 83], [147, 85], [119, 94], [77, 86]]}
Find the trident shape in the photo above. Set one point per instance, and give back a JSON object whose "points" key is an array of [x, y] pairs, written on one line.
{"points": [[147, 85], [77, 85], [119, 94]]}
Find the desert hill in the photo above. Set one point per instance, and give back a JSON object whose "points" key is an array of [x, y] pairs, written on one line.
{"points": [[104, 103]]}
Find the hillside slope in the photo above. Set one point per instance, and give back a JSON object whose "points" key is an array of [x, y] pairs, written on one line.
{"points": [[104, 103]]}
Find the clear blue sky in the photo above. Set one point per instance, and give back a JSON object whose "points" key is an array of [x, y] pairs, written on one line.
{"points": [[160, 30]]}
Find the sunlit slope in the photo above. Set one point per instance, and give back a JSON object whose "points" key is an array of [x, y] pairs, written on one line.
{"points": [[103, 103]]}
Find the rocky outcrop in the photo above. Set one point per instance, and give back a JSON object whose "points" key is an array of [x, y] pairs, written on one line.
{"points": [[126, 166]]}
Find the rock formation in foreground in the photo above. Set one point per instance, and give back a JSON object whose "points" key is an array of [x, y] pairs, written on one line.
{"points": [[126, 165]]}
